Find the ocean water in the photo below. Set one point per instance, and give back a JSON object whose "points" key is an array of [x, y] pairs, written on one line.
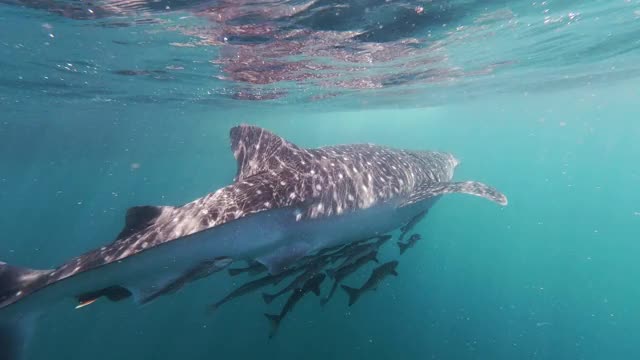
{"points": [[109, 105]]}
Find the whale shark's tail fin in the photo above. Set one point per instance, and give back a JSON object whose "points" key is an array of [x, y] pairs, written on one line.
{"points": [[16, 283]]}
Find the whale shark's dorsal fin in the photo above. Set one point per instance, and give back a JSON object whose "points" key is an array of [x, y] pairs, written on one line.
{"points": [[257, 150], [139, 218]]}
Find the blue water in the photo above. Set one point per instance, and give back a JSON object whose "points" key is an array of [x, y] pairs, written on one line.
{"points": [[105, 109]]}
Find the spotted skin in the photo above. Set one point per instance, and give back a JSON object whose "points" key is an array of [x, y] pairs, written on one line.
{"points": [[273, 173]]}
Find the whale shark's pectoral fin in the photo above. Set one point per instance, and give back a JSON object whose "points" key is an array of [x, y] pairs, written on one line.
{"points": [[427, 191], [284, 257]]}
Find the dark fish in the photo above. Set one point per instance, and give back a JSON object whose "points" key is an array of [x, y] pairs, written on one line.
{"points": [[357, 251], [343, 250], [344, 271], [346, 250], [376, 277], [253, 268], [411, 224], [332, 250], [311, 285], [413, 239], [255, 285], [313, 269], [203, 270]]}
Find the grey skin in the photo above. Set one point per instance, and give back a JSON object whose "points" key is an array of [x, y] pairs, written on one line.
{"points": [[413, 239], [313, 269], [342, 272], [311, 285], [255, 285], [376, 277]]}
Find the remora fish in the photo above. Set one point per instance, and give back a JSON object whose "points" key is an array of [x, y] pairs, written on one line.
{"points": [[254, 285], [343, 251], [413, 239], [357, 251], [313, 269], [411, 224], [205, 269], [311, 285], [377, 275], [344, 271], [253, 268], [286, 202]]}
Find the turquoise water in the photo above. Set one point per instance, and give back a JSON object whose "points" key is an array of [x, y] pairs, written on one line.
{"points": [[550, 276]]}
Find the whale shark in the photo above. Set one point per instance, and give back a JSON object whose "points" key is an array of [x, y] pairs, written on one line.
{"points": [[285, 203]]}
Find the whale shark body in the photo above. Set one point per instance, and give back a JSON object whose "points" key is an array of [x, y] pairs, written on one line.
{"points": [[285, 204]]}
